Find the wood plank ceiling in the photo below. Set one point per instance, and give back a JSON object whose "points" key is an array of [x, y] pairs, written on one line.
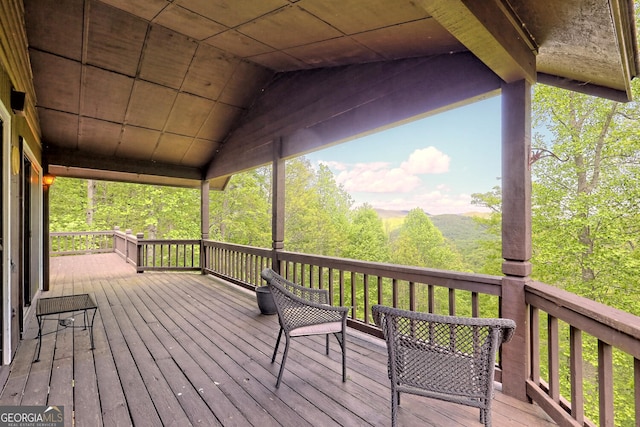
{"points": [[174, 92]]}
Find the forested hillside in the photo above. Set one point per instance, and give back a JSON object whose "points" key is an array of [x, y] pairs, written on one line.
{"points": [[320, 218]]}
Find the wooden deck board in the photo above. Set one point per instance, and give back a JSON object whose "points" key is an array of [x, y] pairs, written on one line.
{"points": [[185, 349]]}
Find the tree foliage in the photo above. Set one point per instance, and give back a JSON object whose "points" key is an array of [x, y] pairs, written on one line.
{"points": [[585, 216], [242, 212], [367, 239], [316, 209], [420, 243], [586, 196]]}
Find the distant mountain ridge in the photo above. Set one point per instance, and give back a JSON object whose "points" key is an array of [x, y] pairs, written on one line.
{"points": [[386, 213], [461, 229]]}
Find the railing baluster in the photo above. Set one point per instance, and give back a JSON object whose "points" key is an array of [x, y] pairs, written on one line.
{"points": [[394, 295], [365, 285], [452, 302], [330, 284], [605, 383], [535, 344], [475, 305], [354, 300], [575, 369], [554, 358], [636, 386], [412, 296], [341, 281]]}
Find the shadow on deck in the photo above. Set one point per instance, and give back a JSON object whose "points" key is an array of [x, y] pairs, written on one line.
{"points": [[185, 349]]}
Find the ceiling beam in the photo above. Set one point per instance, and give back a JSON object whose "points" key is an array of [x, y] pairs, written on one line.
{"points": [[316, 108], [73, 159], [492, 31]]}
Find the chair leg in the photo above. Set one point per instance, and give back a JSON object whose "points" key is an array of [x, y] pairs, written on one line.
{"points": [[284, 360], [343, 344], [327, 336], [395, 401], [275, 350], [485, 417]]}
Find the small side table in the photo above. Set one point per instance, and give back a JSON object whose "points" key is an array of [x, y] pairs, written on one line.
{"points": [[65, 304]]}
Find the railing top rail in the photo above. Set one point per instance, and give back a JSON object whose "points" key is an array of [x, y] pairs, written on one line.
{"points": [[608, 324], [82, 233], [243, 248], [170, 241], [481, 283], [491, 285]]}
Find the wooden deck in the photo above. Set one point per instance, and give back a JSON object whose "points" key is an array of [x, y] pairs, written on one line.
{"points": [[181, 349]]}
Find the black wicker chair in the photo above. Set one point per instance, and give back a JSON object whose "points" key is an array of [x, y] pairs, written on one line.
{"points": [[443, 357], [304, 311]]}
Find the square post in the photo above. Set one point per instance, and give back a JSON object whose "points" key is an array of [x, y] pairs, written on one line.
{"points": [[46, 243], [277, 205], [516, 232], [204, 223]]}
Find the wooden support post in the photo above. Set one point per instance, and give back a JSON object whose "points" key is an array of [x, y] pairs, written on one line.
{"points": [[204, 223], [277, 190], [46, 225], [516, 231], [141, 260]]}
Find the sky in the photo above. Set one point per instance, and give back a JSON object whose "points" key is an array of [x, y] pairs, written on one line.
{"points": [[434, 163]]}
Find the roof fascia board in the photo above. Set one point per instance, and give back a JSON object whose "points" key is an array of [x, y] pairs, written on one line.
{"points": [[491, 31], [584, 87]]}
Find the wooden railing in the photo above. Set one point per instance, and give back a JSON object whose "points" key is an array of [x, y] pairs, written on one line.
{"points": [[616, 333], [564, 329], [81, 242], [235, 263], [144, 254], [576, 342], [126, 245], [168, 255], [362, 284]]}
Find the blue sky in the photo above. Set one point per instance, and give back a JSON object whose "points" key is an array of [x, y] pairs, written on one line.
{"points": [[434, 163]]}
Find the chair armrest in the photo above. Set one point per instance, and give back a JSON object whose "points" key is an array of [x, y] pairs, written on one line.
{"points": [[507, 326]]}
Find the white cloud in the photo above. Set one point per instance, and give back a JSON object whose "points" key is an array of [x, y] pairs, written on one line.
{"points": [[402, 188], [377, 177], [334, 165], [428, 160]]}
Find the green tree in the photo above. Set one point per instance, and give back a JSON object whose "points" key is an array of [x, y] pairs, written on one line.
{"points": [[316, 210], [367, 239], [586, 195], [491, 248], [242, 212], [67, 205], [585, 211], [421, 244]]}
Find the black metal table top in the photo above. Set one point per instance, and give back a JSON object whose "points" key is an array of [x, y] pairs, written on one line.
{"points": [[64, 304]]}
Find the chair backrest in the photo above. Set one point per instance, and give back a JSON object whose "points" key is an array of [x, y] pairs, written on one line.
{"points": [[297, 305], [442, 354], [293, 290]]}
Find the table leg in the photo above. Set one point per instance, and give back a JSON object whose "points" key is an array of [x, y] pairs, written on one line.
{"points": [[91, 326]]}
